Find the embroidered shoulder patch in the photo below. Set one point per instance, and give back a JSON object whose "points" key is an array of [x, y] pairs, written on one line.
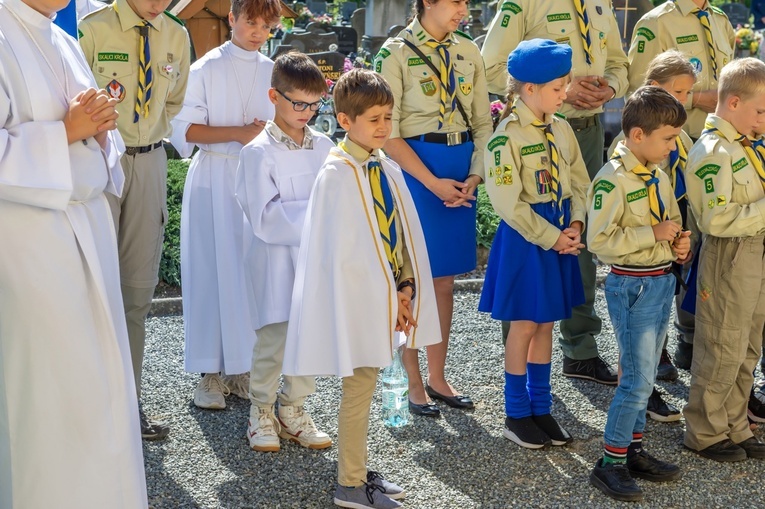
{"points": [[683, 39], [560, 115], [497, 142], [603, 185], [561, 16], [741, 163], [505, 21], [645, 32], [597, 203], [707, 169], [532, 149], [512, 7], [463, 34], [637, 195], [641, 47], [383, 53]]}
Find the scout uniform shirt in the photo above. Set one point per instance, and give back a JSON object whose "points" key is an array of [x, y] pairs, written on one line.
{"points": [[110, 41], [673, 25], [619, 215], [557, 20], [416, 88], [724, 188], [518, 174]]}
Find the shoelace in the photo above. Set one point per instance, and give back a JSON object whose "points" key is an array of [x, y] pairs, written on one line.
{"points": [[238, 383], [304, 421], [264, 419], [209, 381], [373, 478], [370, 491]]}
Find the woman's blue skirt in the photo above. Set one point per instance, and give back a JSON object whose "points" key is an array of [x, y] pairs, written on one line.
{"points": [[449, 232], [525, 282]]}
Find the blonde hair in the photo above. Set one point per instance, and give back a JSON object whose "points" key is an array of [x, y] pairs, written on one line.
{"points": [[514, 88], [668, 65], [742, 77]]}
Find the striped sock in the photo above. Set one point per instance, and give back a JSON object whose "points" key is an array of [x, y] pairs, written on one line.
{"points": [[636, 446], [613, 454]]}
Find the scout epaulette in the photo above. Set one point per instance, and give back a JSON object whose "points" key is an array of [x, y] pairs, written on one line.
{"points": [[463, 34], [174, 18]]}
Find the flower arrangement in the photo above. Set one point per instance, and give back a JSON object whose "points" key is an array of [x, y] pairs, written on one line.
{"points": [[496, 108], [748, 39], [325, 19]]}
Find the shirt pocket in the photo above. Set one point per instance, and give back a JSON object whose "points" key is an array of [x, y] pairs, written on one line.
{"points": [[743, 181], [537, 181], [639, 206], [167, 77], [600, 27], [296, 187], [422, 82], [464, 74], [562, 26], [116, 78]]}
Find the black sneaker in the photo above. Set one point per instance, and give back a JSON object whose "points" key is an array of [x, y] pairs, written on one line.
{"points": [[615, 480], [525, 433], [683, 355], [594, 369], [756, 407], [644, 466], [753, 447], [547, 423], [152, 430], [660, 410], [666, 370], [724, 451]]}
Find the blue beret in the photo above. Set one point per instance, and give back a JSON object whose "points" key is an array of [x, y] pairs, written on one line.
{"points": [[539, 61]]}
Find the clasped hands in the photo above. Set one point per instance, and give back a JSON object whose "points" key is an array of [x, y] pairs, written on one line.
{"points": [[680, 240], [455, 193], [92, 113]]}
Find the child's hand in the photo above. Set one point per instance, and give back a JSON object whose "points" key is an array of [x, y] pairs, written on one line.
{"points": [[666, 230], [569, 242], [81, 123], [248, 132], [405, 320], [682, 246]]}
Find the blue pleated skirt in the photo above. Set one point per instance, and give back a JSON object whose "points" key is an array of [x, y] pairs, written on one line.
{"points": [[449, 232], [525, 282]]}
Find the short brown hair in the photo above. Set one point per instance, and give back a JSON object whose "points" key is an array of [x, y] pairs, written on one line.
{"points": [[296, 71], [650, 108], [668, 65], [358, 90], [742, 77], [268, 10]]}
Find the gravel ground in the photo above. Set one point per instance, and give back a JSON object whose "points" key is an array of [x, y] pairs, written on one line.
{"points": [[458, 461]]}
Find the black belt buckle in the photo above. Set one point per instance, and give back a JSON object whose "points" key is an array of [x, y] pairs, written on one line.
{"points": [[131, 151]]}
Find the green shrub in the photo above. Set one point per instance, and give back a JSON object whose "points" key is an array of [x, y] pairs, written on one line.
{"points": [[487, 221], [170, 263]]}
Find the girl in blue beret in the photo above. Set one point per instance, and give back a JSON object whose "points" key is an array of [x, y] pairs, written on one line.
{"points": [[537, 182]]}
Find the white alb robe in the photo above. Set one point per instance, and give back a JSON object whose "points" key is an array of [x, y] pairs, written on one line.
{"points": [[85, 7], [273, 185], [69, 431], [218, 331], [344, 302]]}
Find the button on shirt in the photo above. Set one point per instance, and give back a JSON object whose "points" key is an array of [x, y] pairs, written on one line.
{"points": [[673, 25], [557, 20], [110, 42], [619, 214]]}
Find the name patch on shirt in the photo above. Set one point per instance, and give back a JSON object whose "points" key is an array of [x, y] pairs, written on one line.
{"points": [[645, 33], [741, 163], [532, 149], [683, 39], [707, 169], [112, 57], [603, 185], [561, 16], [637, 195], [415, 61], [497, 142], [510, 6]]}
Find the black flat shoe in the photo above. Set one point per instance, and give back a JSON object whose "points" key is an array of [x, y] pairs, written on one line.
{"points": [[426, 409], [458, 401]]}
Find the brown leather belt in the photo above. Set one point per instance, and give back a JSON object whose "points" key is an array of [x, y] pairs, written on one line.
{"points": [[582, 122], [131, 151]]}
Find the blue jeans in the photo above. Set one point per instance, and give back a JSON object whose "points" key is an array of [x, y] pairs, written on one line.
{"points": [[639, 309]]}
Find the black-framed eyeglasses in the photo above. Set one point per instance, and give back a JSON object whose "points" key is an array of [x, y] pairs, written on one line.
{"points": [[300, 105]]}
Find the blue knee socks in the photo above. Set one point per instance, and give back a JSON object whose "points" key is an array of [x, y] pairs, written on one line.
{"points": [[538, 385], [517, 403]]}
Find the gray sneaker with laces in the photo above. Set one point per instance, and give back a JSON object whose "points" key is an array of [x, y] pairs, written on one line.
{"points": [[362, 497]]}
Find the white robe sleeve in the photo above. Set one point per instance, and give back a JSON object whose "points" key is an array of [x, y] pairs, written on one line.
{"points": [[272, 220], [194, 111], [34, 161], [115, 147]]}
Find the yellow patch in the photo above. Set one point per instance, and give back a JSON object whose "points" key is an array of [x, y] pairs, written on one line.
{"points": [[705, 292], [721, 200], [498, 181], [711, 204]]}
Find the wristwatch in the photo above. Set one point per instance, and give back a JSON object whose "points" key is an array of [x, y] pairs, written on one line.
{"points": [[410, 284]]}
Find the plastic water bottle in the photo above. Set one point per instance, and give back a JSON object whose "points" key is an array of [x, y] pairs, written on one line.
{"points": [[395, 393]]}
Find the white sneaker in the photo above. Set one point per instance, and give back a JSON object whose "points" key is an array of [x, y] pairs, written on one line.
{"points": [[297, 425], [262, 431], [211, 392], [239, 385]]}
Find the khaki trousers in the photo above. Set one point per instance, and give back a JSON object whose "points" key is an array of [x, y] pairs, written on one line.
{"points": [[267, 359], [139, 220], [353, 426], [730, 314]]}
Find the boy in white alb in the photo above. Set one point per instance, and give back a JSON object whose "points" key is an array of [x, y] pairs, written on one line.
{"points": [[225, 107], [276, 173]]}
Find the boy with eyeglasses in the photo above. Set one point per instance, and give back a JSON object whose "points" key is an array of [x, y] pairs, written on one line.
{"points": [[276, 173]]}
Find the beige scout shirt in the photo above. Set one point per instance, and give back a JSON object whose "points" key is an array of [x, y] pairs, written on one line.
{"points": [[672, 25], [664, 165], [362, 157], [557, 20], [416, 89], [110, 42], [724, 189], [518, 175], [619, 215]]}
